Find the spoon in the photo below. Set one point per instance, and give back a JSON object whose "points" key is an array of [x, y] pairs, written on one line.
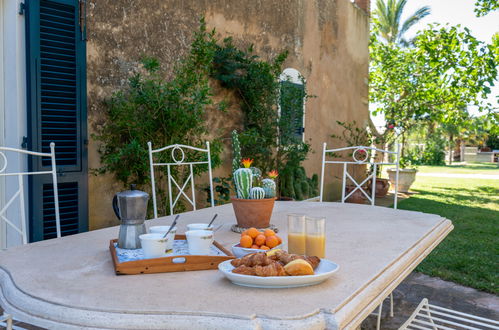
{"points": [[172, 226], [216, 215]]}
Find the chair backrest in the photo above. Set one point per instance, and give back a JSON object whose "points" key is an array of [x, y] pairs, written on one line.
{"points": [[361, 155], [171, 180], [20, 192]]}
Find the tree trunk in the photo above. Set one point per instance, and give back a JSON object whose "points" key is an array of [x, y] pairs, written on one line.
{"points": [[451, 143]]}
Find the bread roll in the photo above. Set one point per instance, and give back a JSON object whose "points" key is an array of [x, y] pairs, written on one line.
{"points": [[299, 267]]}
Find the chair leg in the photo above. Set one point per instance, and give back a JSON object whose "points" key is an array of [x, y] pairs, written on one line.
{"points": [[8, 321], [378, 322], [391, 304]]}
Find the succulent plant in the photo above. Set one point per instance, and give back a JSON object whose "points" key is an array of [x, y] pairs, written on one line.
{"points": [[257, 193], [243, 179], [269, 187], [236, 147]]}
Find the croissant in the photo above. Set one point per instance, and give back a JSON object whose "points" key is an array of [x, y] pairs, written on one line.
{"points": [[286, 258], [251, 260], [273, 269], [245, 270]]}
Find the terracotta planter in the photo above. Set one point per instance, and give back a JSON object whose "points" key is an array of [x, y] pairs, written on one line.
{"points": [[382, 186], [406, 178], [357, 197], [253, 212]]}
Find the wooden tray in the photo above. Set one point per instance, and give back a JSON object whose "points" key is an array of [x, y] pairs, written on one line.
{"points": [[167, 264]]}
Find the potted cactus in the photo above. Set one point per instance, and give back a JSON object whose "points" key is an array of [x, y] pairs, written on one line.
{"points": [[255, 196]]}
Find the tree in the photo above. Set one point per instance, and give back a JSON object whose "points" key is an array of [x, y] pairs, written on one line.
{"points": [[483, 7], [445, 70], [388, 20]]}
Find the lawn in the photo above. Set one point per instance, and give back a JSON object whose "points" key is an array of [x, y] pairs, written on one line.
{"points": [[474, 168], [470, 254]]}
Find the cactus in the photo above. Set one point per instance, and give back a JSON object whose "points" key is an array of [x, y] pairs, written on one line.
{"points": [[257, 193], [243, 179], [257, 176], [269, 187], [236, 147]]}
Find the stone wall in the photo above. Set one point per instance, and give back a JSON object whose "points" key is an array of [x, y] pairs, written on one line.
{"points": [[327, 42]]}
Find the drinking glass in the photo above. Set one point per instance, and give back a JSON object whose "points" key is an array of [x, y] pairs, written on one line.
{"points": [[296, 233], [315, 242]]}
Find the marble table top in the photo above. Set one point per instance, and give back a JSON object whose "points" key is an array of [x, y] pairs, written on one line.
{"points": [[70, 282]]}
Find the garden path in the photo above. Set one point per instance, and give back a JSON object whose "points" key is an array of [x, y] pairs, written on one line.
{"points": [[462, 175]]}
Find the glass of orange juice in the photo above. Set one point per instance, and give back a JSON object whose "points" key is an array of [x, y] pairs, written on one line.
{"points": [[296, 233], [315, 238]]}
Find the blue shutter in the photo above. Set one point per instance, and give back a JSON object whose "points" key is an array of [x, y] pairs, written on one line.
{"points": [[56, 71]]}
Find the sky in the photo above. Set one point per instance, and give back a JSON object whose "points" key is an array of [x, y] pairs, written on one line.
{"points": [[454, 12]]}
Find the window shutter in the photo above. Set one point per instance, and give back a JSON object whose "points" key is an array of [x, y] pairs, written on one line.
{"points": [[56, 68], [291, 102]]}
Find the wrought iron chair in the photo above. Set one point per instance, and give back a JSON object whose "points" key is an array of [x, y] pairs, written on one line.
{"points": [[20, 192], [6, 321], [171, 180], [432, 317], [369, 156]]}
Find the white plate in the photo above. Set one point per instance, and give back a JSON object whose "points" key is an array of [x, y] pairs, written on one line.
{"points": [[240, 252], [325, 270]]}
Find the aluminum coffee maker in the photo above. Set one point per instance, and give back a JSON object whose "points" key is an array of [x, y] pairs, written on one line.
{"points": [[130, 207]]}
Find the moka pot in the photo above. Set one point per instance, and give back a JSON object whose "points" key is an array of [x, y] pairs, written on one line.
{"points": [[130, 207]]}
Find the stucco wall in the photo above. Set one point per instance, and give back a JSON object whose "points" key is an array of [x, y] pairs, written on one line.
{"points": [[327, 42]]}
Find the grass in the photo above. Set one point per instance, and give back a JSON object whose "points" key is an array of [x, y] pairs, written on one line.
{"points": [[476, 168], [470, 253]]}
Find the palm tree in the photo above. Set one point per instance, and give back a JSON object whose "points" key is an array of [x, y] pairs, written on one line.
{"points": [[390, 27]]}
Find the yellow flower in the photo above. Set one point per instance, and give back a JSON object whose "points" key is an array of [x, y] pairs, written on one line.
{"points": [[247, 162]]}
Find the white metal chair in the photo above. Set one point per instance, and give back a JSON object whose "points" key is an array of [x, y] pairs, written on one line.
{"points": [[6, 321], [20, 192], [362, 155], [432, 317], [190, 179], [369, 156]]}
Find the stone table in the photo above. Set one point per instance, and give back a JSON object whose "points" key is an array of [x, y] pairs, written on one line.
{"points": [[70, 282]]}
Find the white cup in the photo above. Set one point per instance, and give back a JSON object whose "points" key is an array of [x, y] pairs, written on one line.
{"points": [[199, 226], [199, 241], [162, 230], [153, 245]]}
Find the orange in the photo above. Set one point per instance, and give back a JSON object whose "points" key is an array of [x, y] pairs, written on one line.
{"points": [[246, 241], [253, 232], [269, 232], [272, 241], [244, 232], [255, 246], [260, 239], [279, 239], [264, 247]]}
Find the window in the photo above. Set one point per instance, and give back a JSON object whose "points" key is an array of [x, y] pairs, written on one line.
{"points": [[292, 107]]}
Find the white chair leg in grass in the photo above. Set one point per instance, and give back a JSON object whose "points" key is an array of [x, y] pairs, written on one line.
{"points": [[178, 156], [432, 317], [362, 155]]}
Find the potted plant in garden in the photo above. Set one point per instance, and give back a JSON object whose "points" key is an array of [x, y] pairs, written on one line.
{"points": [[407, 175], [382, 184], [255, 196]]}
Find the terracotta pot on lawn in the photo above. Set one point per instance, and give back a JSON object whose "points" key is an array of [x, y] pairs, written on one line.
{"points": [[382, 186], [357, 197], [253, 212]]}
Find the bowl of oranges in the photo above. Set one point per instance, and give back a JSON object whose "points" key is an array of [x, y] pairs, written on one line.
{"points": [[253, 240]]}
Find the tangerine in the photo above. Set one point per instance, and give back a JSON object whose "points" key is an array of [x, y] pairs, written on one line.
{"points": [[253, 232], [269, 232], [272, 241], [264, 247], [260, 239], [255, 246], [244, 232], [246, 241], [279, 238]]}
